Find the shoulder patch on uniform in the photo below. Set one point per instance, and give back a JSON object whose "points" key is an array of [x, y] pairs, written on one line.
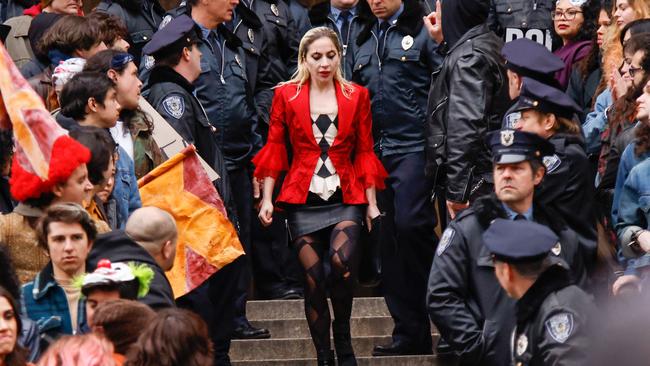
{"points": [[551, 162], [174, 105], [560, 327], [511, 120], [445, 240]]}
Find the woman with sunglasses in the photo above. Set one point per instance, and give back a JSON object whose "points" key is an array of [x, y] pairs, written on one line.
{"points": [[575, 25]]}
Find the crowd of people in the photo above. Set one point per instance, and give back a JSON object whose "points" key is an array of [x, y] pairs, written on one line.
{"points": [[495, 151]]}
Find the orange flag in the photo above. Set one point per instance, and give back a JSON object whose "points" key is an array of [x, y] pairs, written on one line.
{"points": [[207, 240], [44, 154]]}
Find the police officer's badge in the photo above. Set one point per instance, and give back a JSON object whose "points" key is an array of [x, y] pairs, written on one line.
{"points": [[407, 42], [165, 21], [522, 344], [149, 62], [251, 35], [507, 137], [511, 120], [557, 249], [551, 162], [560, 327], [174, 105], [274, 10], [445, 241]]}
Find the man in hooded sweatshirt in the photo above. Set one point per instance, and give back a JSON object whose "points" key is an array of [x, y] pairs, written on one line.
{"points": [[468, 98]]}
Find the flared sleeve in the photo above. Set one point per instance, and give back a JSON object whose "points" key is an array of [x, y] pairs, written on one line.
{"points": [[273, 159], [369, 170]]}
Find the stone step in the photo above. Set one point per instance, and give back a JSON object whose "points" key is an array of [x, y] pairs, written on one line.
{"points": [[296, 348], [298, 328], [363, 361], [294, 309]]}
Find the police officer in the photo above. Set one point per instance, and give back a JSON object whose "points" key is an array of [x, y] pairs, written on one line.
{"points": [[141, 17], [513, 19], [568, 186], [171, 92], [176, 50], [393, 56], [525, 58], [472, 313], [553, 314], [343, 16]]}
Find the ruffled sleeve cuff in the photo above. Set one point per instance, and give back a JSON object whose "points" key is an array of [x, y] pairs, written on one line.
{"points": [[271, 160], [369, 170]]}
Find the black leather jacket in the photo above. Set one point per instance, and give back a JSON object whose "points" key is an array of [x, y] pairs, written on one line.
{"points": [[520, 14], [468, 97], [471, 311], [397, 77], [141, 17], [554, 322]]}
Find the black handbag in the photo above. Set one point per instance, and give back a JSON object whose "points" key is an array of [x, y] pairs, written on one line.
{"points": [[370, 255]]}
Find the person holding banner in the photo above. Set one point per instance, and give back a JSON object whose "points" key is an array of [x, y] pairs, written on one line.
{"points": [[326, 191]]}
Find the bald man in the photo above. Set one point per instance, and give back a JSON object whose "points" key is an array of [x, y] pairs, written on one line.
{"points": [[150, 238]]}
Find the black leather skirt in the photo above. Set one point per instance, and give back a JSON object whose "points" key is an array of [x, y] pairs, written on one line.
{"points": [[318, 214]]}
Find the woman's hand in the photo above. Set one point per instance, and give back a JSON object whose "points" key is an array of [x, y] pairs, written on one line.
{"points": [[371, 212], [266, 212], [617, 85], [625, 281]]}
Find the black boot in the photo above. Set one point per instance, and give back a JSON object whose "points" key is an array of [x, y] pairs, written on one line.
{"points": [[343, 344], [325, 358]]}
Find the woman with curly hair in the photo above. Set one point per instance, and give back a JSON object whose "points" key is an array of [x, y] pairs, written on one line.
{"points": [[575, 25], [176, 337]]}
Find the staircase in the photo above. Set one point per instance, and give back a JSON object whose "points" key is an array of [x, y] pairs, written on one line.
{"points": [[291, 344]]}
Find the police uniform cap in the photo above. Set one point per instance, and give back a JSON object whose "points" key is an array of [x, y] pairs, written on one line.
{"points": [[545, 98], [513, 146], [181, 28], [531, 59], [519, 241]]}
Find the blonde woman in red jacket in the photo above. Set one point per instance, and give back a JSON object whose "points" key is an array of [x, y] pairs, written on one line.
{"points": [[330, 186]]}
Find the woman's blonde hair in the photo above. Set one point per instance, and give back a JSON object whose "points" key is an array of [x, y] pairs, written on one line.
{"points": [[301, 75]]}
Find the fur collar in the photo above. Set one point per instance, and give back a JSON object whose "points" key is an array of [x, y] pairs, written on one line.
{"points": [[408, 23], [488, 208], [250, 19], [553, 279], [164, 74]]}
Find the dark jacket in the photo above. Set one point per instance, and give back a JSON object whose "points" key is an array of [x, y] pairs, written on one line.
{"points": [[397, 77], [465, 301], [141, 18], [568, 187], [583, 89], [166, 89], [226, 93], [468, 98], [116, 246], [553, 322], [320, 15], [520, 14]]}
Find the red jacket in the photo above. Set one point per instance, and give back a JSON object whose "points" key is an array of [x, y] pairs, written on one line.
{"points": [[351, 153]]}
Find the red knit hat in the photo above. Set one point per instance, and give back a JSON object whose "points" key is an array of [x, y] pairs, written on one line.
{"points": [[67, 154], [45, 155]]}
